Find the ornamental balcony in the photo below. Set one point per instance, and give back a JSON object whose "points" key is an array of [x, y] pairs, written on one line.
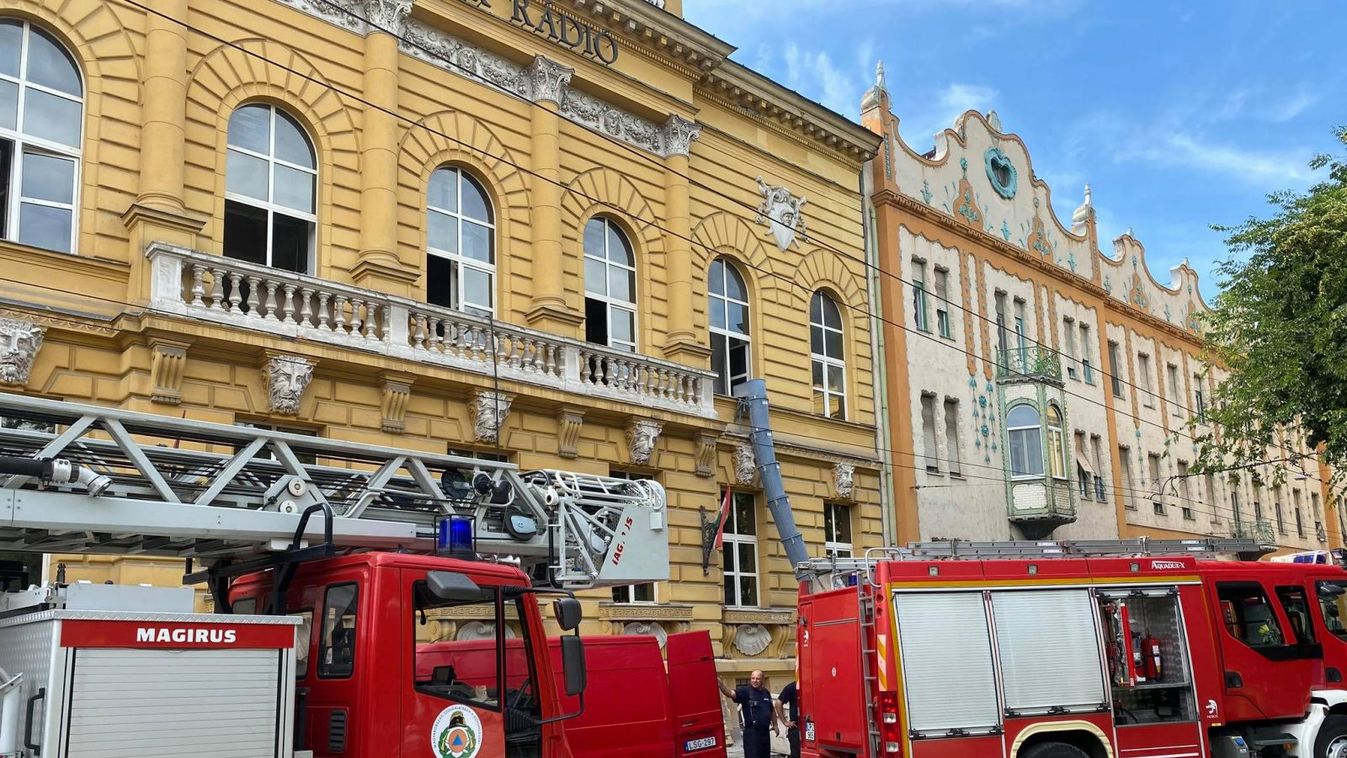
{"points": [[1038, 506], [1032, 363], [192, 284], [1258, 530]]}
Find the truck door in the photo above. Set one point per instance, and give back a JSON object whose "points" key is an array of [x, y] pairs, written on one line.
{"points": [[1330, 623], [1260, 644], [698, 728], [468, 684]]}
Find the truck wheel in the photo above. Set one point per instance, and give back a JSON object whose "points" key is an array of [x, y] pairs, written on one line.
{"points": [[1332, 739], [1053, 750]]}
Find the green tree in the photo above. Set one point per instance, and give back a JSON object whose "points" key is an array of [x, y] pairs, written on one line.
{"points": [[1279, 328]]}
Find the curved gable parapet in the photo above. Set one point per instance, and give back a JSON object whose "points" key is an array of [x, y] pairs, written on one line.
{"points": [[985, 179], [1127, 277]]}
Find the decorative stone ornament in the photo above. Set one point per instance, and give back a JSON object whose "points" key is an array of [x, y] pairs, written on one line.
{"points": [[489, 411], [752, 639], [287, 377], [641, 436], [19, 343], [397, 391], [651, 628], [1001, 172], [780, 211], [548, 80], [678, 134], [745, 464], [844, 480], [569, 423], [167, 362], [387, 14], [706, 453]]}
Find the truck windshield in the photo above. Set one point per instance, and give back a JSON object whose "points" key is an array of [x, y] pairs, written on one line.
{"points": [[1333, 603], [472, 651]]}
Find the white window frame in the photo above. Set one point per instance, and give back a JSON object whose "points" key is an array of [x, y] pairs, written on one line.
{"points": [[833, 547], [1037, 429], [463, 178], [269, 205], [942, 320], [1086, 357], [921, 320], [612, 303], [730, 335], [1057, 433], [24, 143], [1069, 334], [953, 454], [1144, 375], [731, 536], [1172, 374], [1115, 370], [818, 354]]}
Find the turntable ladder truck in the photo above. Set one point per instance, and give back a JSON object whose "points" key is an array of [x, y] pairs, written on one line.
{"points": [[369, 601]]}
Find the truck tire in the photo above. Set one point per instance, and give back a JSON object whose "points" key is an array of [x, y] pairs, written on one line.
{"points": [[1053, 750], [1332, 739]]}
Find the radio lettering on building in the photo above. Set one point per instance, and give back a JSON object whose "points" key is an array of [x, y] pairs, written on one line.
{"points": [[198, 636], [554, 24]]}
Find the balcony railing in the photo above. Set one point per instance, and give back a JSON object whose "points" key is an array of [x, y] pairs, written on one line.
{"points": [[1029, 363], [1259, 530], [226, 291]]}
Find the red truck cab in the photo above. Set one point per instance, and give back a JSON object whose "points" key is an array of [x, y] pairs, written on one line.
{"points": [[372, 681]]}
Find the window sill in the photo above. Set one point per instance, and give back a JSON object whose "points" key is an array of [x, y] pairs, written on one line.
{"points": [[956, 475]]}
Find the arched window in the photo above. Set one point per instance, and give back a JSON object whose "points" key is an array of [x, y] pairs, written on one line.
{"points": [[41, 132], [1026, 441], [460, 243], [271, 187], [729, 326], [827, 357], [1056, 444], [610, 286]]}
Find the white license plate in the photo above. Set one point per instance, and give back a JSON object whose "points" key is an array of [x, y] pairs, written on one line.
{"points": [[809, 731], [701, 744]]}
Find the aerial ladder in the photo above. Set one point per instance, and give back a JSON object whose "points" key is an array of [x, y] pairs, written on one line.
{"points": [[91, 479]]}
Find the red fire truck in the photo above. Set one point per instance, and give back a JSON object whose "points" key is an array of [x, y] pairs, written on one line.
{"points": [[1068, 650], [369, 601]]}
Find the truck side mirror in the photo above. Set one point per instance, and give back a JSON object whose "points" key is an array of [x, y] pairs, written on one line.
{"points": [[567, 612], [573, 663], [453, 586]]}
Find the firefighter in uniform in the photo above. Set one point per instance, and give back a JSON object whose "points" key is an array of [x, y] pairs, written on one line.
{"points": [[756, 713], [790, 696]]}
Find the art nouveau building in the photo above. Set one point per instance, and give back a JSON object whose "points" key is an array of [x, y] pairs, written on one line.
{"points": [[317, 216], [1037, 385]]}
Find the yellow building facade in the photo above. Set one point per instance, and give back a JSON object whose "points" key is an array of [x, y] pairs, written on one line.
{"points": [[553, 232]]}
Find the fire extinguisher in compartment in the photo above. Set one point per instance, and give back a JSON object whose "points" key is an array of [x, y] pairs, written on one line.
{"points": [[1154, 661]]}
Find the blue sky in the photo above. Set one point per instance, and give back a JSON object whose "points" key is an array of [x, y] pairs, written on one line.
{"points": [[1179, 115]]}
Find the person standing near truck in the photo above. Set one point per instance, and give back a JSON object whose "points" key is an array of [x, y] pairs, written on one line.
{"points": [[756, 714], [788, 713]]}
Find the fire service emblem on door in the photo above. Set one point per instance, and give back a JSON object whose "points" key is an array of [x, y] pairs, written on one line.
{"points": [[457, 733]]}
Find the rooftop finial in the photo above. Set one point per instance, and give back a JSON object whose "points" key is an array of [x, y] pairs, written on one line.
{"points": [[879, 76], [1088, 200]]}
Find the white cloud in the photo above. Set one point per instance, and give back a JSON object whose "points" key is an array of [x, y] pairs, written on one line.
{"points": [[1293, 106], [1255, 167], [813, 74]]}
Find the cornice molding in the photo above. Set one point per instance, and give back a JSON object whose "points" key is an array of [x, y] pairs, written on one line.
{"points": [[977, 236]]}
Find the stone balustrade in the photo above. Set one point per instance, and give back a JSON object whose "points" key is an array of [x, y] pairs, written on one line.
{"points": [[198, 285]]}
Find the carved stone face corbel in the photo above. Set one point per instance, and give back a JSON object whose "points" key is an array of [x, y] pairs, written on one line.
{"points": [[287, 377], [844, 480], [745, 464], [19, 343], [641, 437], [489, 411]]}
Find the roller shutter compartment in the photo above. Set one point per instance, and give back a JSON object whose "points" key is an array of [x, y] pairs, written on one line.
{"points": [[151, 703]]}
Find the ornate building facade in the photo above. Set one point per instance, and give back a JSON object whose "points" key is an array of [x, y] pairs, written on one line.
{"points": [[558, 233], [1038, 386]]}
